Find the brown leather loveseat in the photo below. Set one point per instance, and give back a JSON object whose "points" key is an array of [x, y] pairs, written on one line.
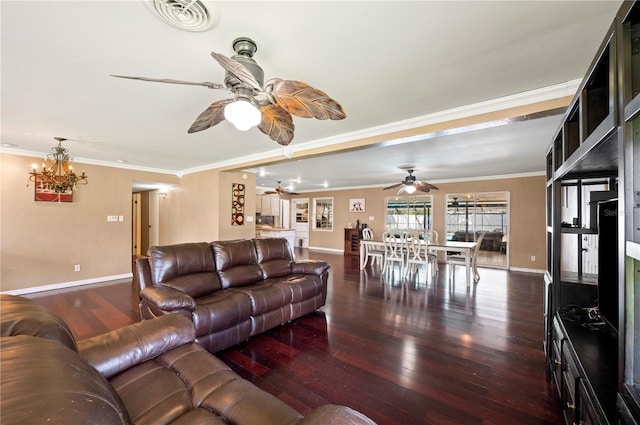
{"points": [[151, 372], [231, 290]]}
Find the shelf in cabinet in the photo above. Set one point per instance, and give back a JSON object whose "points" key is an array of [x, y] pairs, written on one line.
{"points": [[585, 278], [597, 156], [579, 230]]}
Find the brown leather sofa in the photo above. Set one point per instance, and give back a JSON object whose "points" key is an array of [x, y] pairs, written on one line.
{"points": [[151, 372], [231, 290]]}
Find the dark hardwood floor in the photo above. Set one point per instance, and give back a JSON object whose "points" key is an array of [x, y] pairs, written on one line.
{"points": [[401, 353]]}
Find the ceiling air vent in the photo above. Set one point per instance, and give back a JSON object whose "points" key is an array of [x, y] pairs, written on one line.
{"points": [[187, 15]]}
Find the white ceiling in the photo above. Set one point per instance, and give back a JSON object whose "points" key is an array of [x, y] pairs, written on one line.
{"points": [[389, 63]]}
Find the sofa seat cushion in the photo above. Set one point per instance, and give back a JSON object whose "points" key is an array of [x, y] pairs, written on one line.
{"points": [[304, 287], [220, 310], [267, 296], [44, 381], [188, 385]]}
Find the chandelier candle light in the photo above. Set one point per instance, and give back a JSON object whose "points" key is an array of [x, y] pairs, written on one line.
{"points": [[56, 181]]}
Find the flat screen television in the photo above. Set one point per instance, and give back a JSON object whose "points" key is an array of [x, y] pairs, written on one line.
{"points": [[608, 261]]}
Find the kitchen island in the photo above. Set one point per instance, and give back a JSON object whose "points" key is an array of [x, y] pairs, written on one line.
{"points": [[277, 232]]}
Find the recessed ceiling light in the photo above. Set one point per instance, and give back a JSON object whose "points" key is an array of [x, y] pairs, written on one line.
{"points": [[122, 161], [9, 145]]}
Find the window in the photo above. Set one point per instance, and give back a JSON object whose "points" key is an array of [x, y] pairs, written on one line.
{"points": [[470, 214], [302, 212], [323, 214], [409, 212]]}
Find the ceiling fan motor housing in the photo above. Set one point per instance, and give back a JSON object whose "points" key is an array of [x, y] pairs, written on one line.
{"points": [[410, 179], [245, 49]]}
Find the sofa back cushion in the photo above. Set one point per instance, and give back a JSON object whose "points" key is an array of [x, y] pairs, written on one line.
{"points": [[274, 256], [46, 382], [187, 267], [236, 262]]}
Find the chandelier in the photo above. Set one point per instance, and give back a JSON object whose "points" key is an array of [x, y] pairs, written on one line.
{"points": [[57, 174]]}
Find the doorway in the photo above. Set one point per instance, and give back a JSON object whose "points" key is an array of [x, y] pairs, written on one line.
{"points": [[145, 230], [300, 221]]}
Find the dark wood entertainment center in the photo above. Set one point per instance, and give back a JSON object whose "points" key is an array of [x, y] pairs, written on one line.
{"points": [[592, 301]]}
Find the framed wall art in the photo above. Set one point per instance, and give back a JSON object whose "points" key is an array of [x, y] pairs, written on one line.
{"points": [[237, 204], [43, 193], [356, 205]]}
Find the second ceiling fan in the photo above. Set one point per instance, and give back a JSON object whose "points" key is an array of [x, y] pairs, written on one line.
{"points": [[410, 184], [280, 191], [255, 103]]}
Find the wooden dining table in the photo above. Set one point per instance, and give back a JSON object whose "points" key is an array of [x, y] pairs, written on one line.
{"points": [[463, 248]]}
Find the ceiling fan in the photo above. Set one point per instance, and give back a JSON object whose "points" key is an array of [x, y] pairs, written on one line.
{"points": [[268, 105], [410, 184], [280, 191], [454, 204]]}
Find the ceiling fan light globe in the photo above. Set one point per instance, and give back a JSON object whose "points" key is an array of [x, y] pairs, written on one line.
{"points": [[410, 189], [242, 114]]}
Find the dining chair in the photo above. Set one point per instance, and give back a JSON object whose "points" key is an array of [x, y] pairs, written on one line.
{"points": [[393, 250], [431, 235], [454, 260], [376, 255], [417, 247]]}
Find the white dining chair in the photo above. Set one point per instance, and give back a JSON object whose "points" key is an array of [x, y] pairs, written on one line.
{"points": [[393, 250], [431, 235], [454, 260], [376, 255], [417, 247]]}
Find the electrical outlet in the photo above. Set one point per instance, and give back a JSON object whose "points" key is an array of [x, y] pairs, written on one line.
{"points": [[120, 218], [111, 218], [533, 258], [76, 268]]}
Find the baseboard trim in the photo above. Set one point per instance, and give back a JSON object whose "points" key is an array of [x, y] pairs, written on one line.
{"points": [[65, 285], [525, 270], [319, 248]]}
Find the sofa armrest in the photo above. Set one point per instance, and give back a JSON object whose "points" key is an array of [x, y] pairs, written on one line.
{"points": [[118, 350], [316, 267], [331, 414], [168, 299]]}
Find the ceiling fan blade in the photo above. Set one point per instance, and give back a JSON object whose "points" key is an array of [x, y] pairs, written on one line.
{"points": [[424, 186], [291, 193], [277, 124], [167, 80], [211, 116], [302, 100], [270, 192], [237, 69], [392, 186]]}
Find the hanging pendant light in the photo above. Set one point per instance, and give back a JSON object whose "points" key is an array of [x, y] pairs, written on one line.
{"points": [[56, 174]]}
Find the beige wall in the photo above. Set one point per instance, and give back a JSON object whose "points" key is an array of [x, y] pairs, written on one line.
{"points": [[199, 209], [40, 242], [527, 227]]}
